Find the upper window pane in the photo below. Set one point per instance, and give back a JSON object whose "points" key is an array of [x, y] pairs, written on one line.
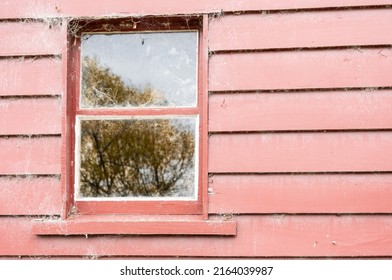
{"points": [[144, 69]]}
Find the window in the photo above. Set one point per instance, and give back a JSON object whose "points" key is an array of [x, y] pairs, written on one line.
{"points": [[135, 130], [138, 117]]}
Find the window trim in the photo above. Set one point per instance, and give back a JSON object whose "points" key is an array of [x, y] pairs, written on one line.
{"points": [[157, 207]]}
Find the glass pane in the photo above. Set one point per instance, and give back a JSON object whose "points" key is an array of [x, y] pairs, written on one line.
{"points": [[140, 157], [139, 70]]}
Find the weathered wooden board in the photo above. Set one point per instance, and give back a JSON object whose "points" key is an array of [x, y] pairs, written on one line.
{"points": [[30, 116], [345, 68], [300, 111], [30, 76], [41, 8], [330, 28], [300, 152], [30, 38], [140, 226], [39, 155], [266, 235], [332, 193], [336, 193], [30, 196]]}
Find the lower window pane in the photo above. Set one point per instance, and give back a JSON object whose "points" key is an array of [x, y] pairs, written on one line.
{"points": [[137, 158]]}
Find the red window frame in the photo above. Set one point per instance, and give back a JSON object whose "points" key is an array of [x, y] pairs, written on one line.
{"points": [[154, 207]]}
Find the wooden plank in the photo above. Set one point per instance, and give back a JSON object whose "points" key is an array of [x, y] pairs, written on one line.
{"points": [[257, 236], [30, 116], [41, 8], [301, 69], [30, 77], [138, 207], [300, 111], [30, 38], [333, 193], [301, 30], [301, 152], [203, 132], [102, 225], [235, 194], [30, 155], [30, 196], [70, 74]]}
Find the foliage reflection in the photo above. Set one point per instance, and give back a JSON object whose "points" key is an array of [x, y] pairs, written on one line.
{"points": [[137, 157]]}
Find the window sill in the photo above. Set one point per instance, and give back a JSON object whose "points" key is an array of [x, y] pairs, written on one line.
{"points": [[125, 225]]}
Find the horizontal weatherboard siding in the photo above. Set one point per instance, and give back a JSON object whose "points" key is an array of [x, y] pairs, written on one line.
{"points": [[315, 193], [31, 116], [30, 38], [319, 110], [299, 122], [346, 68], [25, 155], [30, 76], [30, 195], [300, 152], [57, 8], [332, 28], [301, 193], [257, 236]]}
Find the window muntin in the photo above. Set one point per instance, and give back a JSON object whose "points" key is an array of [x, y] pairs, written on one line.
{"points": [[111, 96]]}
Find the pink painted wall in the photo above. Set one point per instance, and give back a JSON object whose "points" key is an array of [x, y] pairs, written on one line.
{"points": [[300, 124]]}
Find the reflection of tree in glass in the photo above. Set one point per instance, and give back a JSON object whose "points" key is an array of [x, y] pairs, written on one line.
{"points": [[133, 157], [102, 88]]}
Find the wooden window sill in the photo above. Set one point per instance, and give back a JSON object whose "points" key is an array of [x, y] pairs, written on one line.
{"points": [[114, 225]]}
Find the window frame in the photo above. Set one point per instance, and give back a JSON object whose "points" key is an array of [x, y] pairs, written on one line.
{"points": [[135, 207]]}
